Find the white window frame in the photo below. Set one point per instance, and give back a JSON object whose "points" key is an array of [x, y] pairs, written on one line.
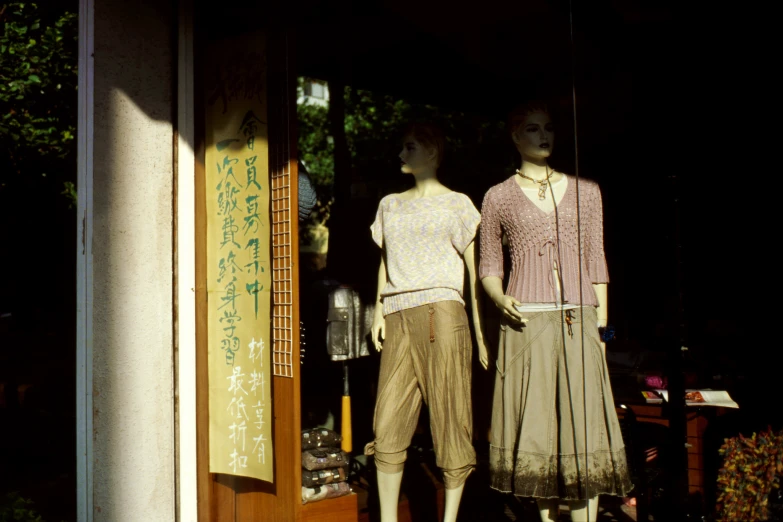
{"points": [[185, 283], [84, 273]]}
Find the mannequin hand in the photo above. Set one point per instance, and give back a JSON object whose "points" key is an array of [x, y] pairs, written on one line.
{"points": [[483, 353], [378, 330], [506, 305]]}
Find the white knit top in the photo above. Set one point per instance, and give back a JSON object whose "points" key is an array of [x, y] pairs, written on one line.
{"points": [[424, 240]]}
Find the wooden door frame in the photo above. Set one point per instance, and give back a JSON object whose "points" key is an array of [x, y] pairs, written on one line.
{"points": [[226, 497]]}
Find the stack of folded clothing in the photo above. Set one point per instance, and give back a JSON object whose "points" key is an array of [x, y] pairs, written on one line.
{"points": [[324, 466]]}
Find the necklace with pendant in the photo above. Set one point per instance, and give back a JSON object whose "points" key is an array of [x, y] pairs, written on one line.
{"points": [[542, 183]]}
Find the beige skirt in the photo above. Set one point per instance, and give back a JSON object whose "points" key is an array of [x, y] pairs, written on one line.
{"points": [[539, 443]]}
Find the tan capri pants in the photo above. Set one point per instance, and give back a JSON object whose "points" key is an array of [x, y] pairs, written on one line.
{"points": [[426, 355]]}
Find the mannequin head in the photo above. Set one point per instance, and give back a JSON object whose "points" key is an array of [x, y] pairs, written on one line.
{"points": [[422, 148], [532, 131]]}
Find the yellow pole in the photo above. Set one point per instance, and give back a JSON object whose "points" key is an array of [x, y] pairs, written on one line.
{"points": [[347, 444]]}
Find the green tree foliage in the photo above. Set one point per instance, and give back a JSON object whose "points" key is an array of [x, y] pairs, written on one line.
{"points": [[373, 123], [15, 508], [316, 152], [316, 148], [38, 104]]}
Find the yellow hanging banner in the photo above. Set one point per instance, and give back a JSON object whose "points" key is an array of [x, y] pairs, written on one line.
{"points": [[238, 258]]}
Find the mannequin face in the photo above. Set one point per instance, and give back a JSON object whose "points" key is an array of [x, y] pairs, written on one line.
{"points": [[415, 157], [535, 137]]}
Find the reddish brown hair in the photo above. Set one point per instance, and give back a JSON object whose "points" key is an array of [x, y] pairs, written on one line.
{"points": [[430, 136], [517, 116]]}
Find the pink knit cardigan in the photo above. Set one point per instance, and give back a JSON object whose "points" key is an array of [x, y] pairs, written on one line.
{"points": [[536, 240]]}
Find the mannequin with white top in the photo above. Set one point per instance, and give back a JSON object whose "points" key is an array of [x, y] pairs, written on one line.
{"points": [[420, 157]]}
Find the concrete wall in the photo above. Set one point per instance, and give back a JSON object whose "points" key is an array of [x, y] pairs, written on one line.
{"points": [[133, 376]]}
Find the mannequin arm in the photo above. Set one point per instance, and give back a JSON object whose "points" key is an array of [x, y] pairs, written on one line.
{"points": [[493, 285], [602, 308], [378, 322], [476, 305]]}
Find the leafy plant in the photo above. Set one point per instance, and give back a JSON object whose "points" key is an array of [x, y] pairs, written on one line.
{"points": [[38, 80], [751, 469], [14, 508]]}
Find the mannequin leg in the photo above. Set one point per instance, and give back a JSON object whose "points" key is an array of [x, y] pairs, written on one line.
{"points": [[444, 354], [453, 496], [389, 494], [584, 510], [396, 412], [548, 509]]}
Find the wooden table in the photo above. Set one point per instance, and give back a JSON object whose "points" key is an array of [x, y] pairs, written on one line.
{"points": [[697, 420]]}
